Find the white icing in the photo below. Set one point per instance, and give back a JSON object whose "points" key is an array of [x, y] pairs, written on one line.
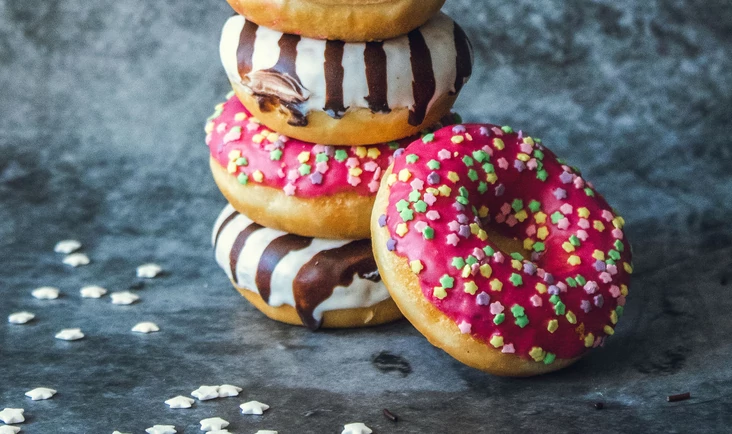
{"points": [[360, 293]]}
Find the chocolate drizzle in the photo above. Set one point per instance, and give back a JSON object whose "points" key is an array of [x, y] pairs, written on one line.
{"points": [[334, 73], [464, 62], [375, 59], [224, 223], [423, 82], [328, 269], [236, 249], [245, 50], [273, 254]]}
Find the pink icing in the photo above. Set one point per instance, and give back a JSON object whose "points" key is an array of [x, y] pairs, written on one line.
{"points": [[298, 168], [569, 228]]}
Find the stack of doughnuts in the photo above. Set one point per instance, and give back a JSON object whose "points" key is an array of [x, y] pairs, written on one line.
{"points": [[325, 94]]}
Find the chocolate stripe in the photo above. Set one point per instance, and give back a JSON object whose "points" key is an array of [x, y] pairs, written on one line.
{"points": [[464, 65], [224, 223], [272, 255], [236, 249], [327, 270], [423, 83], [334, 79], [287, 62], [375, 59], [245, 50]]}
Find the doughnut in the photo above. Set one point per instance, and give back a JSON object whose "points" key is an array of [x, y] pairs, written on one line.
{"points": [[294, 186], [347, 20], [343, 93], [301, 280], [498, 252]]}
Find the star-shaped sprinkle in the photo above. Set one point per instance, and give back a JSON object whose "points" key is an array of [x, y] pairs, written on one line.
{"points": [[205, 393], [92, 291], [20, 317], [213, 424], [46, 293], [219, 431], [161, 429], [253, 407], [180, 401], [117, 432], [356, 428], [70, 335], [146, 327], [40, 393], [264, 431], [67, 246], [76, 260], [227, 390], [7, 429], [149, 271], [12, 415], [124, 298]]}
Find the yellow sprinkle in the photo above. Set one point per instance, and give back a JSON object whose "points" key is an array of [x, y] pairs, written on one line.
{"points": [[568, 247], [402, 229], [482, 235], [404, 175], [491, 178], [589, 340], [537, 354], [574, 260], [498, 144], [613, 317], [355, 171], [361, 151], [608, 330], [232, 167], [470, 287], [258, 176], [391, 180], [516, 264], [522, 215], [240, 116], [486, 270], [523, 157], [254, 120], [624, 290], [474, 228], [265, 132], [597, 224], [628, 268], [273, 137], [416, 266], [619, 222], [466, 271], [433, 190], [540, 288], [457, 139], [469, 137], [529, 141], [583, 212], [235, 154], [303, 157], [483, 212], [528, 244], [553, 326], [599, 255], [219, 106], [444, 190], [452, 176], [497, 341], [439, 292], [542, 233], [373, 153], [209, 127], [496, 285], [258, 138], [540, 218], [571, 317]]}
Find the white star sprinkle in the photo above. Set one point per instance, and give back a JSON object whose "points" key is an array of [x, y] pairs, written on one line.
{"points": [[46, 293], [7, 429], [356, 428], [146, 327], [204, 393], [227, 390], [117, 432], [219, 431], [12, 415], [180, 401], [213, 424], [253, 407], [40, 393], [67, 246], [20, 317], [161, 429], [70, 335], [76, 260], [92, 291], [149, 271], [264, 431], [124, 298]]}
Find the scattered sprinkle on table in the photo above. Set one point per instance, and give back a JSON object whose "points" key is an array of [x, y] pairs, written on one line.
{"points": [[356, 428], [213, 424], [70, 335], [227, 390], [391, 416], [67, 246], [92, 291], [180, 401], [204, 393], [40, 393], [265, 431], [7, 429], [253, 407], [117, 432], [679, 397], [20, 317], [12, 415], [161, 429], [219, 431], [124, 298], [46, 293], [146, 327], [149, 271], [76, 260]]}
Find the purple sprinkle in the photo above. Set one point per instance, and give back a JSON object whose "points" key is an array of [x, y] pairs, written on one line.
{"points": [[464, 231], [500, 189], [483, 299], [433, 178], [483, 131], [462, 219], [599, 300], [316, 178], [382, 220], [391, 244], [591, 287], [529, 268], [459, 207], [548, 278], [535, 256], [521, 134], [458, 129], [560, 193], [398, 152], [519, 165], [600, 265], [553, 290], [566, 177], [585, 306], [329, 151]]}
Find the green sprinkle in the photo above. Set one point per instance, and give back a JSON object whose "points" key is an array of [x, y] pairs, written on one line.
{"points": [[414, 196], [412, 158], [561, 161], [428, 233], [241, 161], [517, 310], [420, 206], [580, 280], [554, 299], [516, 279], [517, 205], [517, 256], [589, 192], [534, 206], [463, 191], [522, 321], [506, 129], [614, 255], [488, 168], [433, 164], [619, 310], [480, 156], [538, 154], [498, 319], [473, 175], [488, 250], [539, 246], [341, 155], [472, 260], [402, 205], [619, 246], [537, 140], [571, 282], [468, 161], [427, 138], [458, 262], [610, 262], [557, 216], [573, 240], [393, 146], [407, 215], [304, 169], [462, 200], [446, 281], [457, 118], [560, 308], [275, 154], [482, 187], [242, 178], [542, 175], [322, 158], [549, 358], [216, 114]]}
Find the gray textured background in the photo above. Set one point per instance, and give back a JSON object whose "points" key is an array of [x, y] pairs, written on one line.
{"points": [[102, 105]]}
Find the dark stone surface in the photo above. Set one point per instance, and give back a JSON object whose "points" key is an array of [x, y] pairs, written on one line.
{"points": [[101, 113]]}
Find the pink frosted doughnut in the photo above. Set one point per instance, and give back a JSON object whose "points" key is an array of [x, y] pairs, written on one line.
{"points": [[498, 252]]}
